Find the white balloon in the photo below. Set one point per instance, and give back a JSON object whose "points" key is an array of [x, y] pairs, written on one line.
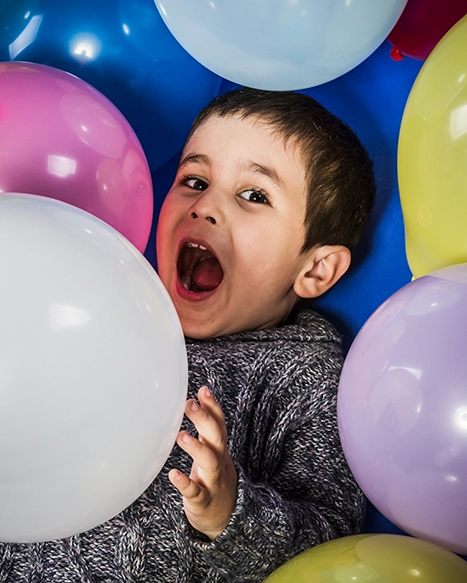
{"points": [[93, 371], [280, 44]]}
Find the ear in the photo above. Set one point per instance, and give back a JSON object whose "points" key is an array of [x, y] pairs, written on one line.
{"points": [[321, 269]]}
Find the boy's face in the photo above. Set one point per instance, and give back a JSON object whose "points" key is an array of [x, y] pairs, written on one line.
{"points": [[231, 229]]}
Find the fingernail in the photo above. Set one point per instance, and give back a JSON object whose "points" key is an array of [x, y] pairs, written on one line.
{"points": [[207, 392], [194, 406], [186, 437]]}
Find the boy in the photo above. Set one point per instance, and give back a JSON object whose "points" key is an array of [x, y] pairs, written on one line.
{"points": [[271, 194]]}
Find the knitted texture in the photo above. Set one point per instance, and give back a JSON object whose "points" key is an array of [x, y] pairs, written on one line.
{"points": [[278, 391]]}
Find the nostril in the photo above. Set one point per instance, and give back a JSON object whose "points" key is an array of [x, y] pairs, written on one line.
{"points": [[212, 220]]}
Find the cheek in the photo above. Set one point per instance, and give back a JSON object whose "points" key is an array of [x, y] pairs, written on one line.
{"points": [[164, 216], [272, 274], [269, 256], [165, 226], [162, 260], [259, 265]]}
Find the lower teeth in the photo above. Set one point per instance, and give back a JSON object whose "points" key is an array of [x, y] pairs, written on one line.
{"points": [[186, 282]]}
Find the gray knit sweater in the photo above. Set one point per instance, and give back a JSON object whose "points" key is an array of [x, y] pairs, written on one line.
{"points": [[278, 391]]}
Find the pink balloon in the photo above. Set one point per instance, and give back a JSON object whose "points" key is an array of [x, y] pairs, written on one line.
{"points": [[402, 408], [61, 138]]}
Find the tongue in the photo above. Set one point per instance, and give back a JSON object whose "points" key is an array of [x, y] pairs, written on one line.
{"points": [[208, 274]]}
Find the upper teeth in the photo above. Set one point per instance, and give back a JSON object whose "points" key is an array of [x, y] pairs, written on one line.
{"points": [[196, 245]]}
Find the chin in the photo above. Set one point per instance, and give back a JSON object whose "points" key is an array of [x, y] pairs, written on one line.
{"points": [[197, 331], [201, 331], [195, 334]]}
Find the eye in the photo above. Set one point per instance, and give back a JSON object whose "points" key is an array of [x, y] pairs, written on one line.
{"points": [[256, 196], [194, 183]]}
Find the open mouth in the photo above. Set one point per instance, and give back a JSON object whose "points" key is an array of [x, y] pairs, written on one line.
{"points": [[198, 268]]}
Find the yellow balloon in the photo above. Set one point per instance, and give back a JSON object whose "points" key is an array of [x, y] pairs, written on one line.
{"points": [[432, 158], [373, 558]]}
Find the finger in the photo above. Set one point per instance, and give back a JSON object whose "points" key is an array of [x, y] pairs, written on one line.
{"points": [[209, 403], [203, 456], [188, 488], [209, 430]]}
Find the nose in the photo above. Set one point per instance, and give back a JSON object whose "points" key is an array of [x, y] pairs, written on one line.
{"points": [[207, 206]]}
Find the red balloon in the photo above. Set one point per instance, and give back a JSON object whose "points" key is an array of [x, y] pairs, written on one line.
{"points": [[423, 24]]}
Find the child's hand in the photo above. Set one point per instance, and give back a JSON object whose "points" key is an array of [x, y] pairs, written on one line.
{"points": [[209, 494]]}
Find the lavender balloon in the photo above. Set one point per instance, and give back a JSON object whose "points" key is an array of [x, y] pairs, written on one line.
{"points": [[402, 408]]}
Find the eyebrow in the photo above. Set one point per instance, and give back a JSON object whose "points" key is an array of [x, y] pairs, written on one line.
{"points": [[266, 171], [193, 159]]}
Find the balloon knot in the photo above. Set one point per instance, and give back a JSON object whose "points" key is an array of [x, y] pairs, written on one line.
{"points": [[396, 55]]}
